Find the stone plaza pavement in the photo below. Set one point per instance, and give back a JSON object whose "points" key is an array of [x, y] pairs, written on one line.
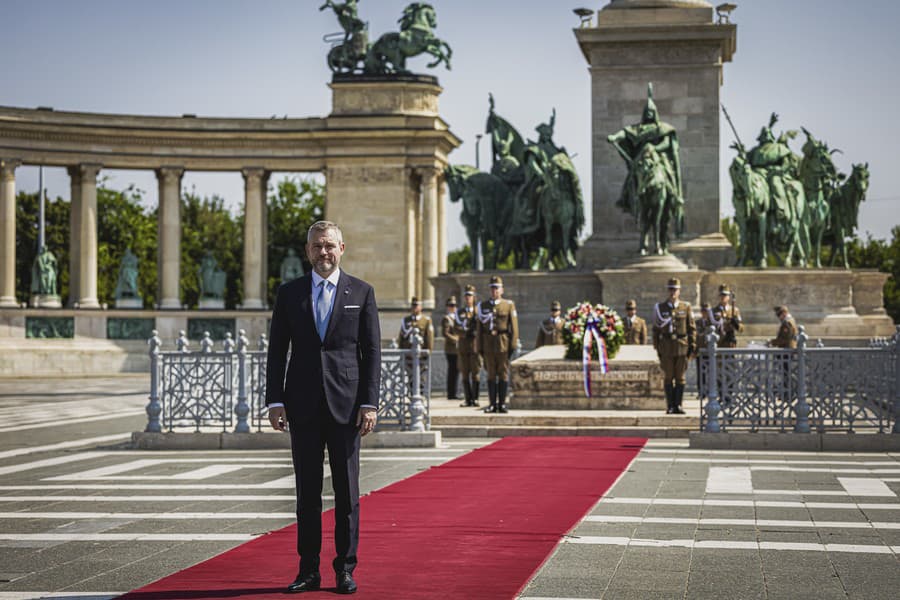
{"points": [[83, 516]]}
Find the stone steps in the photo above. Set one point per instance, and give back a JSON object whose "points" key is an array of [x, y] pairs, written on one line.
{"points": [[516, 423]]}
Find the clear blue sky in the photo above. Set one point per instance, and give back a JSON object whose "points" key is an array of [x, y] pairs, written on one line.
{"points": [[830, 65]]}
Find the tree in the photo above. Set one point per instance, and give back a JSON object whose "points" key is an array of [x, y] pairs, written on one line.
{"points": [[460, 260], [294, 205], [884, 256]]}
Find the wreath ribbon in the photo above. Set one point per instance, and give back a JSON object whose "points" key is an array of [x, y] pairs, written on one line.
{"points": [[591, 333]]}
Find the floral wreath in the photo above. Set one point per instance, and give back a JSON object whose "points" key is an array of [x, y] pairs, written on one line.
{"points": [[604, 320]]}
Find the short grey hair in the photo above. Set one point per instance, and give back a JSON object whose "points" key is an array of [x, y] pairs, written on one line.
{"points": [[321, 226]]}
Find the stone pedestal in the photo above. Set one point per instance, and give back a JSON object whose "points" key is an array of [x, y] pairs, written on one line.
{"points": [[46, 301], [211, 304], [543, 379], [676, 46], [129, 303], [387, 203]]}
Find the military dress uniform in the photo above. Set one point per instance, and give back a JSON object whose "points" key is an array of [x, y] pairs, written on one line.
{"points": [[469, 360], [498, 333], [635, 327], [727, 319], [787, 331], [420, 324], [451, 340], [674, 338], [550, 329]]}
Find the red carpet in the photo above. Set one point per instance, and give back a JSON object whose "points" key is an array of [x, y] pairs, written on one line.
{"points": [[476, 527]]}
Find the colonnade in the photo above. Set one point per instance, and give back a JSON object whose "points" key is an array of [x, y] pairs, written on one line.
{"points": [[83, 238]]}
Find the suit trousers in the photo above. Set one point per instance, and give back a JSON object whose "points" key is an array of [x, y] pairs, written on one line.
{"points": [[308, 442], [497, 365], [470, 366]]}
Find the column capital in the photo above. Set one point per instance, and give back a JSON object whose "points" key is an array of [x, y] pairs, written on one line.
{"points": [[169, 174], [253, 174], [88, 170], [428, 174], [8, 168]]}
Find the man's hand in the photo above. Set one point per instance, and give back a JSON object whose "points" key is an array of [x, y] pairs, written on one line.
{"points": [[365, 420], [278, 418]]}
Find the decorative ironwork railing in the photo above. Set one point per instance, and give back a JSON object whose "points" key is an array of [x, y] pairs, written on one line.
{"points": [[803, 389], [227, 388]]}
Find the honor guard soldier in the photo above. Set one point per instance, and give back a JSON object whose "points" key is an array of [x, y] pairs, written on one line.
{"points": [[704, 322], [787, 331], [418, 323], [674, 338], [727, 318], [469, 360], [635, 327], [550, 330], [451, 341], [498, 335]]}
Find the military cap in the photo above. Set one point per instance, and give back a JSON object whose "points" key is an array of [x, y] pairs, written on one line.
{"points": [[724, 290], [451, 301], [780, 309], [555, 305], [470, 290], [631, 304], [415, 300], [496, 281], [674, 284]]}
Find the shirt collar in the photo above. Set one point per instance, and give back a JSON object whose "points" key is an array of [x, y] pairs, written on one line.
{"points": [[332, 279]]}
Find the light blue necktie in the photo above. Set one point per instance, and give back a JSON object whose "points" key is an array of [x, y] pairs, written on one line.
{"points": [[322, 308]]}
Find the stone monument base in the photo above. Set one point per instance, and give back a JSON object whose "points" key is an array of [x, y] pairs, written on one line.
{"points": [[543, 379], [838, 305], [129, 303], [211, 304], [46, 301]]}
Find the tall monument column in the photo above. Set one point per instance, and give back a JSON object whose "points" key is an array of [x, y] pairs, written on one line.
{"points": [[430, 233], [169, 269], [254, 238], [676, 46], [87, 232], [8, 233]]}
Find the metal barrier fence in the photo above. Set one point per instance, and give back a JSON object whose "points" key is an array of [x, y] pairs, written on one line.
{"points": [[801, 390], [227, 388]]}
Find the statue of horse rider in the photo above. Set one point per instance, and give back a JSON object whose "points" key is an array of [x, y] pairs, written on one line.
{"points": [[629, 143]]}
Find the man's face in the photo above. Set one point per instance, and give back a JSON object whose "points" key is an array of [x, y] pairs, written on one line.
{"points": [[554, 313], [416, 309], [724, 299], [451, 308], [674, 293], [630, 311], [496, 292], [324, 252], [470, 300]]}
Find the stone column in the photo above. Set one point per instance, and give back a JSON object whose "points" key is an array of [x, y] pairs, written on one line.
{"points": [[411, 230], [169, 268], [442, 226], [8, 233], [87, 232], [254, 238], [430, 233], [74, 239]]}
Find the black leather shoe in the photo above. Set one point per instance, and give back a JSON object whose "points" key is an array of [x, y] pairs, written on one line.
{"points": [[305, 583], [503, 409], [677, 411], [491, 408], [345, 583]]}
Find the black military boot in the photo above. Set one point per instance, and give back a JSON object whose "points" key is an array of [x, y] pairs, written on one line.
{"points": [[678, 395], [492, 397], [476, 384], [467, 392], [670, 398], [501, 394]]}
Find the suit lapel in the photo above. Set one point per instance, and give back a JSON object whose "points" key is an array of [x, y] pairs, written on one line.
{"points": [[340, 300]]}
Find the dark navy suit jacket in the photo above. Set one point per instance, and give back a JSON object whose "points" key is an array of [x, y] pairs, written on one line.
{"points": [[345, 367]]}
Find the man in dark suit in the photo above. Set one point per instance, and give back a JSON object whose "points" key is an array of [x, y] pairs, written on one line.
{"points": [[329, 397]]}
